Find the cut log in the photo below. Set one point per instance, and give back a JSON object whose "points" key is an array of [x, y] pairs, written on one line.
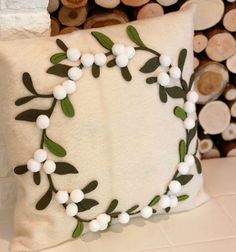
{"points": [[196, 62], [134, 3], [210, 80], [72, 17], [214, 117], [229, 133], [232, 106], [68, 29], [199, 42], [229, 20], [53, 5], [74, 4], [55, 26], [229, 149], [231, 64], [213, 153], [107, 3], [167, 2], [150, 10], [230, 92], [205, 145], [208, 13], [221, 45]]}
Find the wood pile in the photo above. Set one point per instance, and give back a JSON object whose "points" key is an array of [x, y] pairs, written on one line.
{"points": [[214, 47]]}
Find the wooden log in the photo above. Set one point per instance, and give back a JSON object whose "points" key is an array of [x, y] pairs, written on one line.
{"points": [[229, 149], [221, 45], [230, 92], [214, 117], [205, 145], [232, 107], [229, 133], [210, 80], [55, 26], [196, 63], [167, 2], [199, 42], [208, 13], [231, 64], [229, 20], [68, 29], [134, 3], [213, 153], [150, 10], [53, 5], [72, 17], [110, 4], [74, 4]]}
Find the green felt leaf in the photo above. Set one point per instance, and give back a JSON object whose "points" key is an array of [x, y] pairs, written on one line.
{"points": [[176, 92], [184, 179], [90, 187], [103, 40], [182, 150], [162, 94], [198, 165], [112, 206], [86, 204], [184, 85], [65, 168], [134, 36], [151, 80], [37, 178], [95, 71], [191, 81], [67, 107], [31, 115], [111, 63], [167, 209], [22, 169], [24, 100], [150, 66], [59, 70], [192, 133], [28, 83], [182, 58], [183, 197], [57, 58], [180, 113], [154, 201], [45, 200], [132, 209], [61, 45], [126, 73], [53, 147], [115, 214], [78, 230]]}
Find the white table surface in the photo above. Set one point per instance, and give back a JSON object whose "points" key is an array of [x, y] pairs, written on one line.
{"points": [[208, 228]]}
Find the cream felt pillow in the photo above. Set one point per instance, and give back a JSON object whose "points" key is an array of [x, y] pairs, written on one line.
{"points": [[100, 126]]}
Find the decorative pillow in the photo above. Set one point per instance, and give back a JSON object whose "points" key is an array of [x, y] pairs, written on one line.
{"points": [[100, 126]]}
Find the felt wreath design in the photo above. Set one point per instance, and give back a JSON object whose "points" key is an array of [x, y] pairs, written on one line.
{"points": [[160, 65]]}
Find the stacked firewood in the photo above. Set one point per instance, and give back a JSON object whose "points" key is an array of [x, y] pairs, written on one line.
{"points": [[214, 47]]}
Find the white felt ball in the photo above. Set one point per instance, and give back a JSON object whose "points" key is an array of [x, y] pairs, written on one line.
{"points": [[62, 197], [73, 54], [146, 212], [175, 186], [100, 59], [118, 49], [77, 196], [129, 52], [103, 227], [42, 122], [165, 60], [33, 165], [189, 123], [192, 96], [163, 79], [87, 59], [124, 218], [173, 201], [59, 92], [189, 159], [69, 86], [164, 201], [122, 60], [49, 166], [40, 155], [183, 168], [75, 73], [94, 226], [103, 219], [71, 209], [189, 107], [175, 72]]}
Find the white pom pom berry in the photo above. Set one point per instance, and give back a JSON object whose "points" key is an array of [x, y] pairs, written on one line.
{"points": [[175, 186], [87, 60], [71, 209], [173, 201], [146, 212], [75, 73], [69, 86], [43, 122], [118, 49], [175, 72], [40, 155], [189, 123], [192, 96], [189, 107], [164, 201], [163, 79], [103, 219], [94, 226], [124, 218], [73, 54], [165, 60], [100, 59], [49, 166], [59, 92], [62, 197], [189, 159], [129, 52], [122, 60], [183, 168], [77, 196], [33, 165]]}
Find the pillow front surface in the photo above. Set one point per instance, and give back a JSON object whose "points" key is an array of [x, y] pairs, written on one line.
{"points": [[100, 126]]}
